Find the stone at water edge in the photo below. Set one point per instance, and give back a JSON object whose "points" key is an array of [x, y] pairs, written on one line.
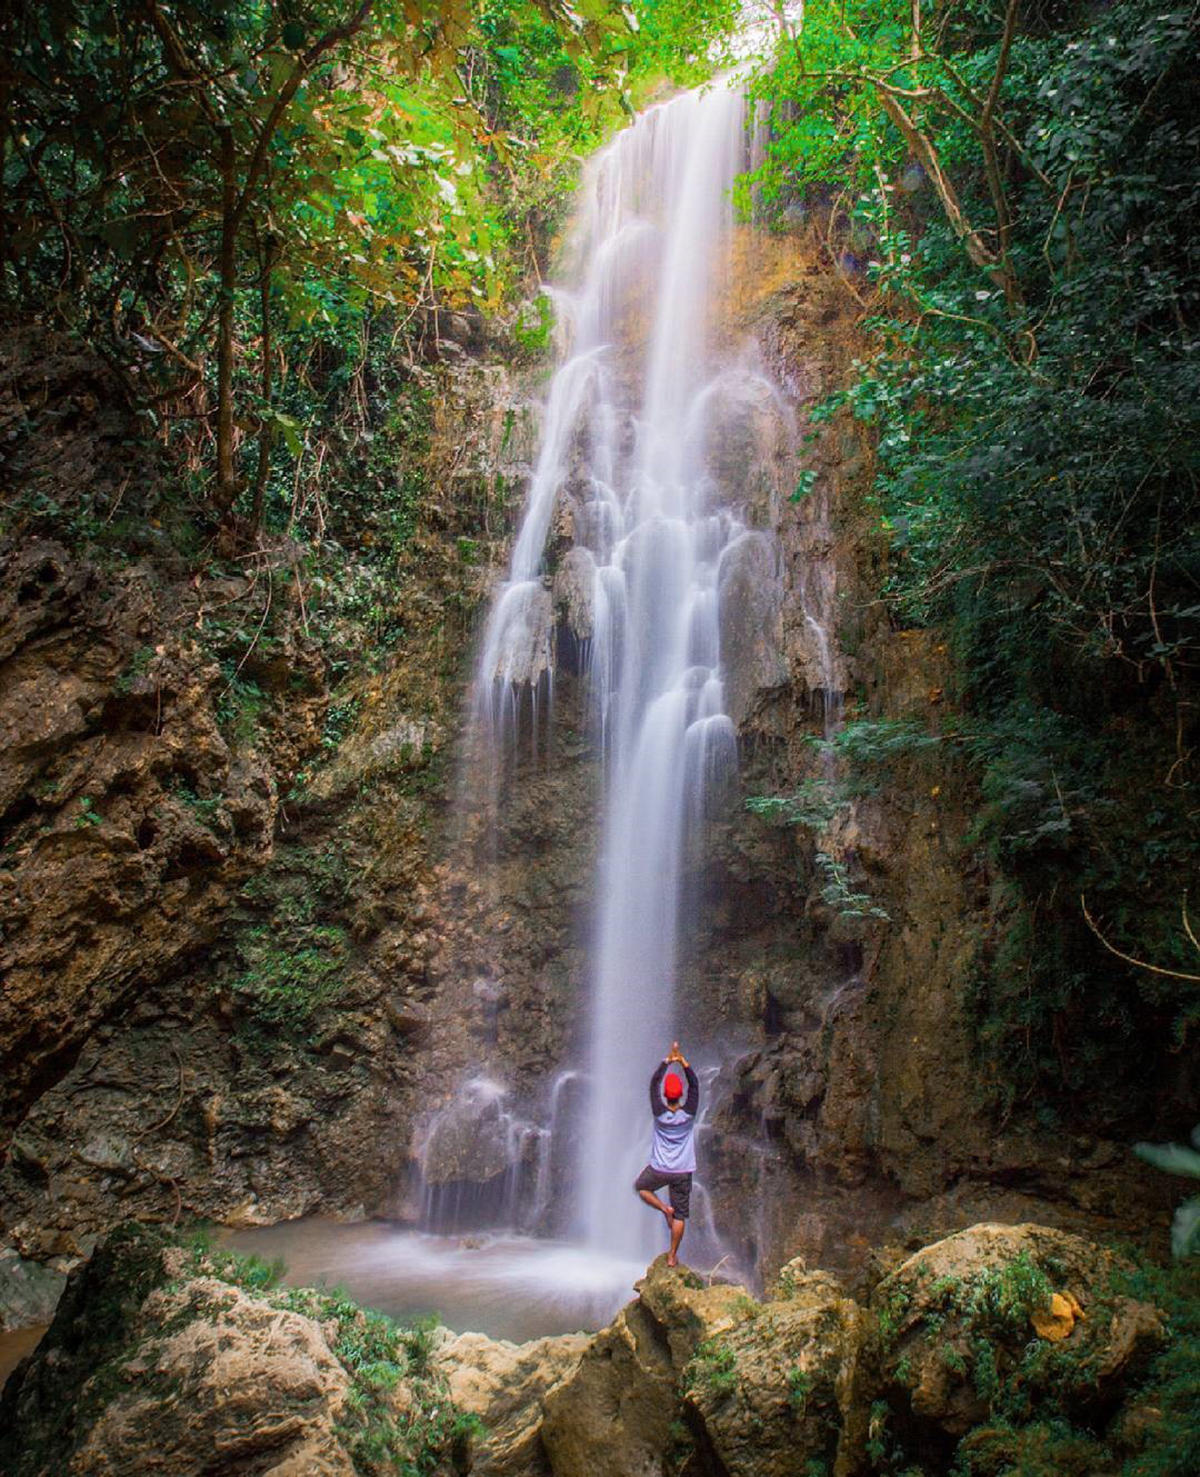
{"points": [[29, 1292], [155, 1363], [505, 1385], [689, 1365]]}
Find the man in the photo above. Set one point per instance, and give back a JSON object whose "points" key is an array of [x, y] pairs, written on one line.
{"points": [[672, 1153]]}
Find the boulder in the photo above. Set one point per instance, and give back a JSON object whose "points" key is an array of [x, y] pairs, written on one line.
{"points": [[967, 1320], [614, 1413], [29, 1292], [505, 1385], [254, 1389], [781, 1389], [159, 1360], [618, 1411], [698, 1378]]}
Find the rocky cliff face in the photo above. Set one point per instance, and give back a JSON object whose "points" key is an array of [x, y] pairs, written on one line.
{"points": [[828, 966], [842, 950], [242, 941], [213, 946]]}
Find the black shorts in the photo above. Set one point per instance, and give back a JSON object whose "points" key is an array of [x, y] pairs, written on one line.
{"points": [[679, 1187]]}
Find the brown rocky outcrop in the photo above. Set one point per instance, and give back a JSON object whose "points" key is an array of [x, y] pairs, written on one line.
{"points": [[255, 1390], [159, 1361], [129, 816], [173, 858], [707, 1380], [993, 1337], [616, 1412], [784, 1386], [505, 1386]]}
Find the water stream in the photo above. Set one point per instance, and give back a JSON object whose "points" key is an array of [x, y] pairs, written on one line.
{"points": [[637, 536], [625, 466]]}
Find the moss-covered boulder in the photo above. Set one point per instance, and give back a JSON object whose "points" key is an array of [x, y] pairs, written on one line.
{"points": [[620, 1410], [701, 1380], [168, 1358], [781, 1391], [987, 1334]]}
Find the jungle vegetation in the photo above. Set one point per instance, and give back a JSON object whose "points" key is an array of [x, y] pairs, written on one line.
{"points": [[1012, 191]]}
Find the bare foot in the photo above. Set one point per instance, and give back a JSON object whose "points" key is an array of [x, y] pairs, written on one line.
{"points": [[672, 1261], [670, 1215]]}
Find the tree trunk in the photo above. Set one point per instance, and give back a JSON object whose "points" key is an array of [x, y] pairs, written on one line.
{"points": [[264, 432], [226, 479]]}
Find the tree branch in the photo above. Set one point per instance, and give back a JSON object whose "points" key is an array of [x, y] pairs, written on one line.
{"points": [[1175, 974]]}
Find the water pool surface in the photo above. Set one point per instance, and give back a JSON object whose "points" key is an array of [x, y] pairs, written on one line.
{"points": [[501, 1284]]}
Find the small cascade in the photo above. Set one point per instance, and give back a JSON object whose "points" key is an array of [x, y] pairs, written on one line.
{"points": [[486, 1165]]}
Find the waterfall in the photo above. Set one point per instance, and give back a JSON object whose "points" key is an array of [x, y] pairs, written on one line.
{"points": [[625, 541]]}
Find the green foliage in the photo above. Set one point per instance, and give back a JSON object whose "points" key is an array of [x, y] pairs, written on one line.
{"points": [[339, 720], [534, 327], [812, 806], [866, 752], [805, 484], [208, 809], [293, 963], [880, 742], [1036, 395], [284, 985], [184, 177], [378, 1354], [712, 1369], [1026, 1383], [837, 893], [1001, 1300], [88, 814], [136, 669], [1172, 1386], [240, 706], [800, 1387]]}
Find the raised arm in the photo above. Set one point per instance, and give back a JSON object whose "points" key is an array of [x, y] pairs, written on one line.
{"points": [[656, 1097], [692, 1105]]}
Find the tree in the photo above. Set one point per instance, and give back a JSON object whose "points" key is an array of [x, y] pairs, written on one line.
{"points": [[164, 159]]}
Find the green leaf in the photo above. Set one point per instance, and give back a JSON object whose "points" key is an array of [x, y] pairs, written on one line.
{"points": [[293, 36], [804, 486], [1173, 1158]]}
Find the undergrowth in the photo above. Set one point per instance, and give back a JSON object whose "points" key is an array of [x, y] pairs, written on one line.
{"points": [[1047, 1414], [293, 956]]}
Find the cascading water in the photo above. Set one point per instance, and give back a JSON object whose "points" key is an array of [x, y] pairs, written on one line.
{"points": [[624, 467], [645, 568]]}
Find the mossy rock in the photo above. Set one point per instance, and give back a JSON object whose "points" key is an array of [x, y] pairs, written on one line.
{"points": [[971, 1333]]}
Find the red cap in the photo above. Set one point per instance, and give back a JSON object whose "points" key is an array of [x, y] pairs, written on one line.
{"points": [[672, 1086]]}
